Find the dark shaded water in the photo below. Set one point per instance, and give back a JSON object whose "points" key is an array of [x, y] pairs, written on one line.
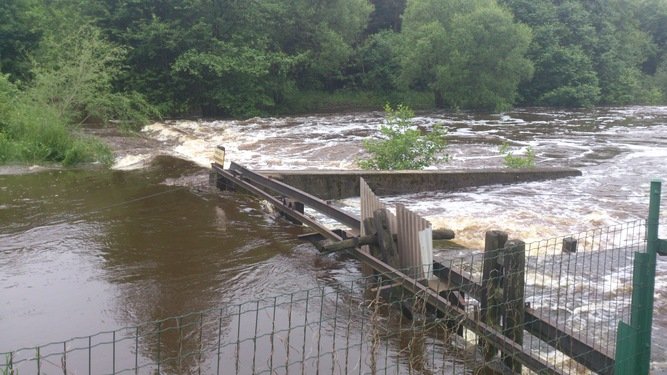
{"points": [[83, 251]]}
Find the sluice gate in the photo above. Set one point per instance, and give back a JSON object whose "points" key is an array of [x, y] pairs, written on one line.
{"points": [[398, 249]]}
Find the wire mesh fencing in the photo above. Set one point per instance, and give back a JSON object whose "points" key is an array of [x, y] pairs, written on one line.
{"points": [[341, 328], [576, 290], [551, 306]]}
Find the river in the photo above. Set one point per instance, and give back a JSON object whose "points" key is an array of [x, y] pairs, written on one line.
{"points": [[88, 250]]}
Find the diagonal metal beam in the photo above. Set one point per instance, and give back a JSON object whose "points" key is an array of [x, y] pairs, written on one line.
{"points": [[235, 179], [311, 201]]}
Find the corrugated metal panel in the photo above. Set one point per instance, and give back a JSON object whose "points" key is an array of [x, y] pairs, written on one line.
{"points": [[415, 236], [369, 204], [426, 246], [415, 242]]}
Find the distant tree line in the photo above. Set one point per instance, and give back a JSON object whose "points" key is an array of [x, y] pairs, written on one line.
{"points": [[252, 57]]}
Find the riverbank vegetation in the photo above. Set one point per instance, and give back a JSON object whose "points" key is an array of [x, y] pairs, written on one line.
{"points": [[66, 80], [237, 58], [126, 60]]}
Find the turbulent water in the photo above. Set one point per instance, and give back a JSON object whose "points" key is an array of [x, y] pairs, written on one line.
{"points": [[618, 150], [84, 251]]}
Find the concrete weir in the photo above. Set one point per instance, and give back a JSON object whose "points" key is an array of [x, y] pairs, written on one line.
{"points": [[338, 184]]}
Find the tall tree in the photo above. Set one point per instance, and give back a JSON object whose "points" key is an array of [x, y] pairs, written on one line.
{"points": [[470, 53], [324, 34], [20, 33], [587, 52], [621, 51]]}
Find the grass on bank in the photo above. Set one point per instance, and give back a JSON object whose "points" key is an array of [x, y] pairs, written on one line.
{"points": [[33, 134]]}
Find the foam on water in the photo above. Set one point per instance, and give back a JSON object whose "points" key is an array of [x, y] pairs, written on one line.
{"points": [[132, 162], [618, 150]]}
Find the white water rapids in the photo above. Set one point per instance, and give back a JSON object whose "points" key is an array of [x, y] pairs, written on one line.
{"points": [[618, 150]]}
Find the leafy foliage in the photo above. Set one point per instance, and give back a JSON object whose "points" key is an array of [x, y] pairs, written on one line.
{"points": [[19, 36], [386, 15], [74, 75], [589, 53], [246, 58], [31, 132], [377, 63], [512, 161], [72, 82], [404, 146], [469, 53]]}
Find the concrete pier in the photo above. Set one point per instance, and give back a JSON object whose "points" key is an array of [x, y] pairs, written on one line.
{"points": [[338, 184]]}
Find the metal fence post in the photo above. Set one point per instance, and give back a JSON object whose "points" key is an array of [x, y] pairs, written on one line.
{"points": [[633, 341]]}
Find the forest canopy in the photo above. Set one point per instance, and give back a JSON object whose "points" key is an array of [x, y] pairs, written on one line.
{"points": [[247, 58]]}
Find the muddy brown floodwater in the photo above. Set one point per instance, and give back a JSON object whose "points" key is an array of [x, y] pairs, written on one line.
{"points": [[88, 250], [85, 251]]}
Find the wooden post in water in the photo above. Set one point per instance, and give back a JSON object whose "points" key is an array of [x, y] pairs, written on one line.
{"points": [[569, 245], [371, 230], [490, 296], [513, 284], [388, 250]]}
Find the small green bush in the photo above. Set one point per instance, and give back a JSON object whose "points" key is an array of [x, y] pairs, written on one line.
{"points": [[511, 161], [404, 146]]}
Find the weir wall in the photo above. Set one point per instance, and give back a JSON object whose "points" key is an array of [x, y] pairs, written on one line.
{"points": [[338, 184]]}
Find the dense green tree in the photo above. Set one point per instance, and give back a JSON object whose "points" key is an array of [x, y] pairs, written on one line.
{"points": [[621, 51], [469, 53], [652, 17], [241, 58], [324, 35], [590, 52], [155, 33], [230, 57], [229, 78], [376, 62], [20, 32], [564, 70], [661, 81], [564, 76]]}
